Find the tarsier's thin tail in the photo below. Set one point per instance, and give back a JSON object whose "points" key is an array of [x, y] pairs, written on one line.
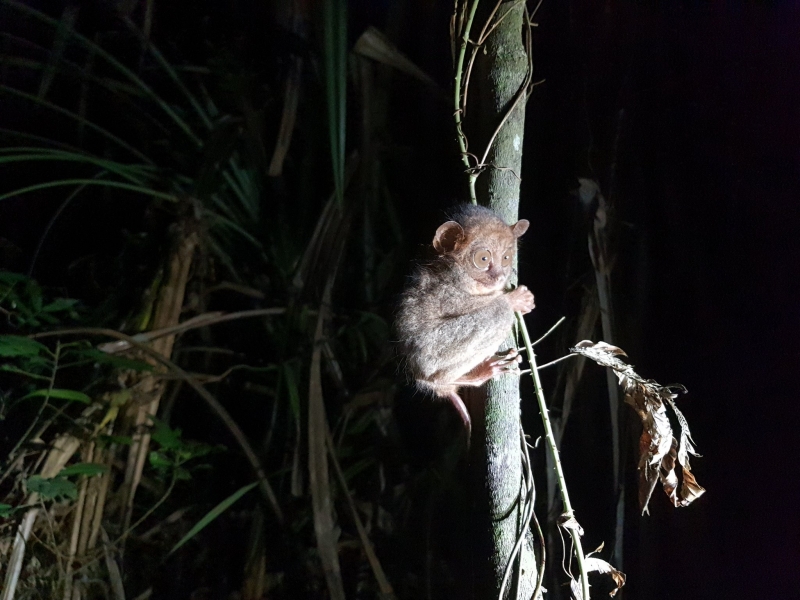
{"points": [[458, 403]]}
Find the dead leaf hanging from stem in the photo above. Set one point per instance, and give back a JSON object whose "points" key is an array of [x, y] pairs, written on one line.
{"points": [[658, 448]]}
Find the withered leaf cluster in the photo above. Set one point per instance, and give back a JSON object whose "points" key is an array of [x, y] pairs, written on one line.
{"points": [[658, 448]]}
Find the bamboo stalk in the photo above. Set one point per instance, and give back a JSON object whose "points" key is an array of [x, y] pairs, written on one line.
{"points": [[167, 314]]}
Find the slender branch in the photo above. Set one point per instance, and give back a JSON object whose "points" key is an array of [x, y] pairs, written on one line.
{"points": [[461, 107], [551, 442], [481, 40], [202, 320], [549, 331], [558, 360], [462, 140], [149, 511], [521, 93], [500, 20], [377, 570], [50, 385]]}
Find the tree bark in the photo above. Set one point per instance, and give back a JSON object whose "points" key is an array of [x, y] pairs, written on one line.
{"points": [[497, 80]]}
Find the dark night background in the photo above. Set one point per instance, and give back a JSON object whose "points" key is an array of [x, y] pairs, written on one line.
{"points": [[709, 174], [699, 103]]}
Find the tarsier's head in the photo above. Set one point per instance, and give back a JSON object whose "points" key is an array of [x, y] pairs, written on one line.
{"points": [[482, 244]]}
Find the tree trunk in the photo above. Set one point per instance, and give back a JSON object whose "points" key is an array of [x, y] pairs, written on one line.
{"points": [[498, 79]]}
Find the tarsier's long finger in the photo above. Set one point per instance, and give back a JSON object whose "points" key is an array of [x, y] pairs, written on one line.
{"points": [[509, 354], [512, 360]]}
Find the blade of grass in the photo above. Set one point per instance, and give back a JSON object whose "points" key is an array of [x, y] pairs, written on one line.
{"points": [[46, 142], [129, 172], [75, 117], [234, 226], [291, 97], [88, 182], [171, 73], [377, 569], [109, 58], [56, 53], [319, 481], [126, 92], [335, 55], [213, 514]]}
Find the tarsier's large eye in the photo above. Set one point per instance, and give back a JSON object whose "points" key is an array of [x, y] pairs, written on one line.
{"points": [[506, 261], [482, 259]]}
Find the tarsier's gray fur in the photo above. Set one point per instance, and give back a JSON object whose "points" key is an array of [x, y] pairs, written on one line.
{"points": [[446, 328]]}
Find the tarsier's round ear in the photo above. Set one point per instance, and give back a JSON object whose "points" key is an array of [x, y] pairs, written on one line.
{"points": [[520, 227], [448, 237]]}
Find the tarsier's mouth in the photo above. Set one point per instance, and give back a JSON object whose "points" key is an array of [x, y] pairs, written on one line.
{"points": [[493, 284]]}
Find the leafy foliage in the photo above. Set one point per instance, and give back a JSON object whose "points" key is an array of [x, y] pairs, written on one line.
{"points": [[52, 489], [25, 306], [174, 452], [178, 147]]}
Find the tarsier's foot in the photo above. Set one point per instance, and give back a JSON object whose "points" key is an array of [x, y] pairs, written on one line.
{"points": [[497, 364]]}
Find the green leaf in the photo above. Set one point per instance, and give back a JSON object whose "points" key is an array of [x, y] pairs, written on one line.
{"points": [[335, 70], [75, 117], [5, 510], [88, 469], [18, 371], [51, 489], [357, 467], [166, 437], [89, 182], [11, 278], [118, 362], [61, 394], [60, 305], [213, 514], [290, 380], [138, 174], [17, 345], [159, 461]]}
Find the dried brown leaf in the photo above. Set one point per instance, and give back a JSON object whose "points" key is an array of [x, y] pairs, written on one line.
{"points": [[375, 45], [598, 351], [291, 98], [659, 451], [598, 549], [327, 533], [571, 523], [601, 566], [690, 489]]}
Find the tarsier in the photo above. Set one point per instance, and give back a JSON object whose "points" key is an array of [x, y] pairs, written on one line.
{"points": [[456, 312]]}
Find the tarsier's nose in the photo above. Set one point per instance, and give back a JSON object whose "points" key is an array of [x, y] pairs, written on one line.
{"points": [[495, 271]]}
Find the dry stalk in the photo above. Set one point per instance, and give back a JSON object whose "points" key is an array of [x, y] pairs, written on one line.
{"points": [[167, 314], [58, 456]]}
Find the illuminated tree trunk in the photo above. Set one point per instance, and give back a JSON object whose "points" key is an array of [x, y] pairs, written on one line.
{"points": [[496, 99]]}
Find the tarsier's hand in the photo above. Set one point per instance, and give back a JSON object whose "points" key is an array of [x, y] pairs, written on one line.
{"points": [[521, 300]]}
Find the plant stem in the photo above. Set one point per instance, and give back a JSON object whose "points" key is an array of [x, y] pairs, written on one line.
{"points": [[50, 385], [551, 442], [462, 140]]}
